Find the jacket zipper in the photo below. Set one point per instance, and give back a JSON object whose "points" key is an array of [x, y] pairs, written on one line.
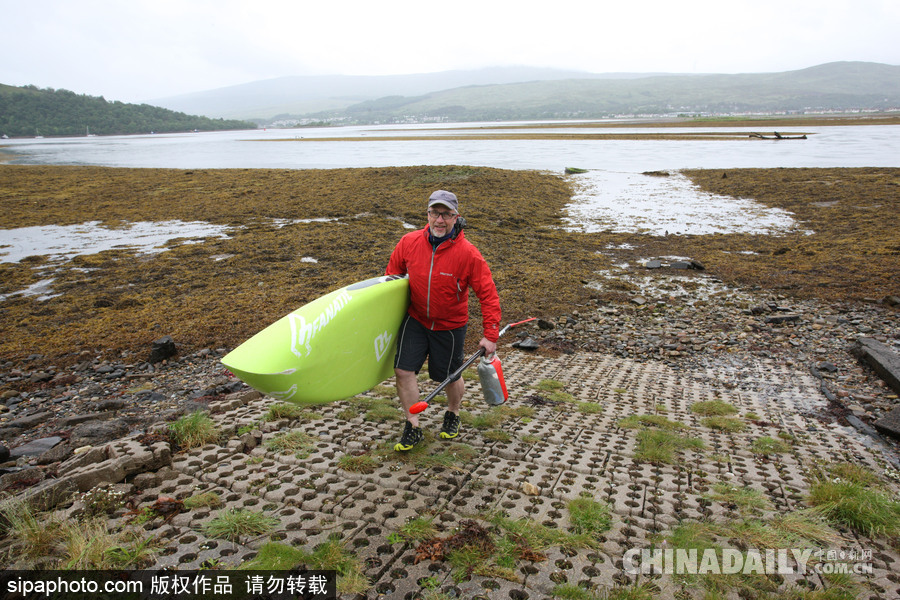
{"points": [[428, 298]]}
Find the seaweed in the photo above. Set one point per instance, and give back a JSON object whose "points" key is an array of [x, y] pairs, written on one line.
{"points": [[218, 293]]}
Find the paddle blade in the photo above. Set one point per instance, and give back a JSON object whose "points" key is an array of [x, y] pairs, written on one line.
{"points": [[418, 407]]}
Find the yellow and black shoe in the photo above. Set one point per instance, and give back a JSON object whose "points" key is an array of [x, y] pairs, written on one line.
{"points": [[411, 436], [450, 429]]}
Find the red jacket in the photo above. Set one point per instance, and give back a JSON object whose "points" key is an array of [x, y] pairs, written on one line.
{"points": [[439, 282]]}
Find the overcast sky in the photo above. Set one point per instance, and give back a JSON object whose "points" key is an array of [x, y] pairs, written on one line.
{"points": [[138, 50]]}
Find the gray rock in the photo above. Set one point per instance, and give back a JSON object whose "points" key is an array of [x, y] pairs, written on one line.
{"points": [[546, 325], [890, 423], [24, 478], [782, 319], [58, 453], [527, 344], [30, 421], [89, 457], [35, 448], [688, 264], [73, 420], [143, 481], [162, 349], [93, 434], [112, 404], [881, 358]]}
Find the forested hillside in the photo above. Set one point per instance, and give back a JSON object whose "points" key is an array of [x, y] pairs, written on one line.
{"points": [[29, 111]]}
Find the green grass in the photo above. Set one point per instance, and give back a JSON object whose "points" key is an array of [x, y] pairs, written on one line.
{"points": [[497, 435], [275, 556], [743, 499], [487, 420], [328, 556], [45, 541], [662, 447], [385, 391], [550, 385], [292, 441], [867, 510], [642, 591], [417, 530], [282, 410], [194, 430], [381, 409], [204, 500], [237, 524], [494, 546], [384, 410], [423, 456], [713, 408], [360, 463], [589, 517], [766, 446], [561, 397], [727, 424], [641, 421], [589, 408]]}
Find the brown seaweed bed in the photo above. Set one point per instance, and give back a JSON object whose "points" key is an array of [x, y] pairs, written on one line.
{"points": [[218, 293]]}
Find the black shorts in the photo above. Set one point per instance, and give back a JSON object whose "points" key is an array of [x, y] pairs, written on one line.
{"points": [[444, 349]]}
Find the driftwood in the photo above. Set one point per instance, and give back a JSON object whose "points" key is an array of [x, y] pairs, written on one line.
{"points": [[778, 136]]}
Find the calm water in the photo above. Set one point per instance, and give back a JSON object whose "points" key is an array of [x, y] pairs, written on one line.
{"points": [[869, 146], [612, 196]]}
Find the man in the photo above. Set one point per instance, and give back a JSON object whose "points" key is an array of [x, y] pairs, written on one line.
{"points": [[442, 265]]}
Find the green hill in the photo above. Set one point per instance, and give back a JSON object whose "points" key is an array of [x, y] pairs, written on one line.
{"points": [[29, 111], [834, 86]]}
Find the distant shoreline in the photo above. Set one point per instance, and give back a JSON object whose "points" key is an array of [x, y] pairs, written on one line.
{"points": [[764, 123]]}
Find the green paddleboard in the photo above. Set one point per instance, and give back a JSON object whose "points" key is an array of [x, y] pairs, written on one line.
{"points": [[335, 347]]}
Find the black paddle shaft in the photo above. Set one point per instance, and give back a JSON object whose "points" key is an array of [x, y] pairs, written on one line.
{"points": [[478, 354]]}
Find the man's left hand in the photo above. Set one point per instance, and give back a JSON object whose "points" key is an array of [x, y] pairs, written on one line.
{"points": [[489, 346]]}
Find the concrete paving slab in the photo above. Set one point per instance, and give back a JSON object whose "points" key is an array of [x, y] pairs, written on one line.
{"points": [[562, 452]]}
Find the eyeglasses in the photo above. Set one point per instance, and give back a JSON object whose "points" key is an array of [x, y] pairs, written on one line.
{"points": [[445, 215]]}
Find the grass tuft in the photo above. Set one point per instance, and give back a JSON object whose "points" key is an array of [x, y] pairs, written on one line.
{"points": [[661, 447], [639, 421], [744, 499], [360, 463], [713, 408], [239, 523], [589, 517], [292, 441], [728, 424], [194, 430], [766, 446]]}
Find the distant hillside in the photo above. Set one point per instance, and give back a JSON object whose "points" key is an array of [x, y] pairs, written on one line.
{"points": [[302, 95], [29, 111], [835, 86], [524, 93]]}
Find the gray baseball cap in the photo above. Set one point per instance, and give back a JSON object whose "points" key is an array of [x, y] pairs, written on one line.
{"points": [[446, 198]]}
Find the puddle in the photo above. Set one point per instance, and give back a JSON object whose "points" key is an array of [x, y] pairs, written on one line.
{"points": [[688, 289], [63, 242], [42, 289], [661, 205]]}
